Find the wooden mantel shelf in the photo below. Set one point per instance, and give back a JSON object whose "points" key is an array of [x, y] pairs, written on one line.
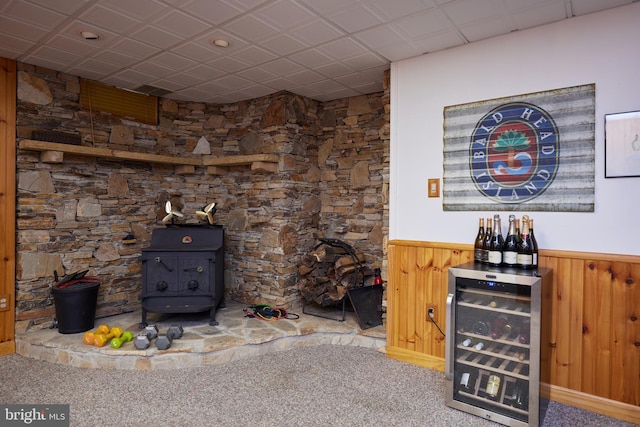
{"points": [[53, 152]]}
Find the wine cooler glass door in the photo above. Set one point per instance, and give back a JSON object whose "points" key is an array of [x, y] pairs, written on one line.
{"points": [[490, 351]]}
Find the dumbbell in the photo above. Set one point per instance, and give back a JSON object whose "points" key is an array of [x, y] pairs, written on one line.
{"points": [[118, 341], [144, 338], [173, 333]]}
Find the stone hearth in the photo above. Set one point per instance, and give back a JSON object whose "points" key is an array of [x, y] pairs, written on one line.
{"points": [[235, 337]]}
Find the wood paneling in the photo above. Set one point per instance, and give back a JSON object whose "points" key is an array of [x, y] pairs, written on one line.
{"points": [[7, 202], [591, 330]]}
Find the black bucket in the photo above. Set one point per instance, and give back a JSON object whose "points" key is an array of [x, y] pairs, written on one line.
{"points": [[76, 306]]}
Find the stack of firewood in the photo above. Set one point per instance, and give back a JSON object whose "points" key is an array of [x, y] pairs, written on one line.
{"points": [[327, 272]]}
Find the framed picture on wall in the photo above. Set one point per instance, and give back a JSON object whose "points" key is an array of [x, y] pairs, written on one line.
{"points": [[622, 145]]}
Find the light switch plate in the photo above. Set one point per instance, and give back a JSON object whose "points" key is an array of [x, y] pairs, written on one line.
{"points": [[434, 187]]}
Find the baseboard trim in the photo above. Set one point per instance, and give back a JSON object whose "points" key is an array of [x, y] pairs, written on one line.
{"points": [[416, 358], [589, 402], [600, 405], [7, 347]]}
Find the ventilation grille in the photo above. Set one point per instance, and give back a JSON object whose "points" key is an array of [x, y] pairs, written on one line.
{"points": [[96, 97]]}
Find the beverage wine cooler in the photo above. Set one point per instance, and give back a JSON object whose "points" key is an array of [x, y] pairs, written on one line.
{"points": [[493, 342]]}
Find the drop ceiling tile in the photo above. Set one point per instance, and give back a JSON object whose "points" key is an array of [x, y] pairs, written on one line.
{"points": [[62, 6], [228, 64], [369, 87], [281, 83], [246, 5], [315, 33], [422, 24], [443, 40], [151, 68], [107, 18], [312, 58], [213, 11], [526, 15], [205, 72], [391, 10], [326, 7], [53, 54], [185, 80], [256, 74], [41, 61], [284, 14], [36, 15], [355, 18], [486, 28], [96, 66], [305, 77], [14, 44], [116, 58], [134, 48], [254, 55], [256, 91], [22, 30], [142, 10], [181, 24], [281, 67], [76, 44], [197, 52], [250, 28], [173, 61], [283, 44], [342, 48], [171, 85], [134, 76], [583, 7], [364, 61], [333, 69], [156, 37], [234, 82], [387, 42], [337, 94]]}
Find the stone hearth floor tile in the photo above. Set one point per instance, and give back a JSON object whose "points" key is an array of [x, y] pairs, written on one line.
{"points": [[236, 336]]}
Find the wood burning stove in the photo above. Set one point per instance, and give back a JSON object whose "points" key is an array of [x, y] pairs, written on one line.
{"points": [[183, 271]]}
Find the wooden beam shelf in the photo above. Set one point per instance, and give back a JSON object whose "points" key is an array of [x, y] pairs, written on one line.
{"points": [[52, 152]]}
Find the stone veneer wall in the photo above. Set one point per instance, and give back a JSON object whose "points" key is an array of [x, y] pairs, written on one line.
{"points": [[332, 181]]}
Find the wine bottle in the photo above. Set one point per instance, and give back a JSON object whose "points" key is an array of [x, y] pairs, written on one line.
{"points": [[525, 248], [500, 326], [468, 381], [487, 242], [479, 346], [467, 342], [479, 243], [534, 242], [510, 252], [481, 328], [525, 330], [497, 243], [493, 386]]}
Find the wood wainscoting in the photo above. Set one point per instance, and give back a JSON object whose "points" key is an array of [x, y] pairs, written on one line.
{"points": [[7, 205], [592, 325]]}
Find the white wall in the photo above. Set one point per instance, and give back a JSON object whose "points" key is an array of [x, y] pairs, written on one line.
{"points": [[601, 48]]}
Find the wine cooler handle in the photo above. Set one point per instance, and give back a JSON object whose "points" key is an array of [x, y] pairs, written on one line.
{"points": [[448, 370]]}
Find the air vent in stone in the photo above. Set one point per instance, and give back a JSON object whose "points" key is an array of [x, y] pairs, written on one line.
{"points": [[152, 90]]}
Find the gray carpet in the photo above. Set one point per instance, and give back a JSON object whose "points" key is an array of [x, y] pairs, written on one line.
{"points": [[310, 386]]}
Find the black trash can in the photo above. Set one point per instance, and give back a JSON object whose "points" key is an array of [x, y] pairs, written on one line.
{"points": [[76, 306]]}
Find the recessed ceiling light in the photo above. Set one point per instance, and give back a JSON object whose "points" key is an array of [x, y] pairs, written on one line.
{"points": [[221, 43], [88, 35]]}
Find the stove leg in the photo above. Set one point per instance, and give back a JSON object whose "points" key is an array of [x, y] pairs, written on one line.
{"points": [[144, 323], [212, 318]]}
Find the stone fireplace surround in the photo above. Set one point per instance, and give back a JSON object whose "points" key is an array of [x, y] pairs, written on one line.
{"points": [[331, 181]]}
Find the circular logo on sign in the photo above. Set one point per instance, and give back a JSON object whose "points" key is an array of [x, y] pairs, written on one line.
{"points": [[514, 152]]}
